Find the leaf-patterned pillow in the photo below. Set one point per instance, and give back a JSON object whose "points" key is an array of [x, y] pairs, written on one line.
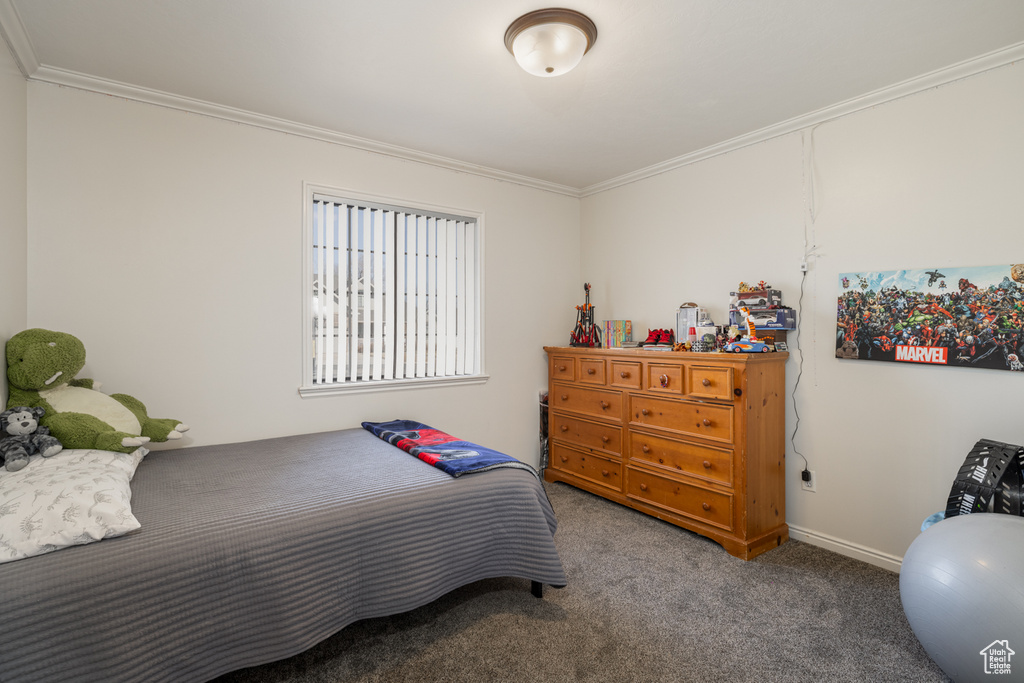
{"points": [[77, 496]]}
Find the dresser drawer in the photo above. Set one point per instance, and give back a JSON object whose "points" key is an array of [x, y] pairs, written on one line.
{"points": [[625, 375], [563, 367], [707, 382], [665, 378], [607, 404], [711, 507], [583, 433], [714, 464], [686, 417], [591, 371], [601, 470]]}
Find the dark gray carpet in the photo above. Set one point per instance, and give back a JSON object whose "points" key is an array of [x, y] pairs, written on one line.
{"points": [[646, 602]]}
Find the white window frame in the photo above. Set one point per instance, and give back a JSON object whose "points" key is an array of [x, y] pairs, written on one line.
{"points": [[475, 375]]}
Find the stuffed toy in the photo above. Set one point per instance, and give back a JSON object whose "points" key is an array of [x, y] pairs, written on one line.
{"points": [[21, 436], [41, 368]]}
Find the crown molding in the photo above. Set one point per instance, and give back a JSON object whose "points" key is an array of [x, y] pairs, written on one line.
{"points": [[14, 34], [934, 79], [79, 81]]}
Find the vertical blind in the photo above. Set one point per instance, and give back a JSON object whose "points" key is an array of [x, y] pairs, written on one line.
{"points": [[394, 293]]}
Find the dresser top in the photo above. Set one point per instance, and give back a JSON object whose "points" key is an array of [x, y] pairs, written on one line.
{"points": [[640, 352]]}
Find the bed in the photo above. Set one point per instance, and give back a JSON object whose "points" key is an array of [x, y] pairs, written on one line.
{"points": [[253, 552]]}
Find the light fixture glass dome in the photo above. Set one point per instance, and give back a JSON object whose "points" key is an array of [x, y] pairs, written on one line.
{"points": [[549, 49], [550, 42]]}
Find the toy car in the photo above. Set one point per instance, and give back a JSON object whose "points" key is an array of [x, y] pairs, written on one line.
{"points": [[748, 346], [762, 318]]}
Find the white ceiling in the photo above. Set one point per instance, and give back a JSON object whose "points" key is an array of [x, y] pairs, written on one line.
{"points": [[666, 78]]}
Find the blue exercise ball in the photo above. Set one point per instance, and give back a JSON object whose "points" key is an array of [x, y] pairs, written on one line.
{"points": [[962, 587]]}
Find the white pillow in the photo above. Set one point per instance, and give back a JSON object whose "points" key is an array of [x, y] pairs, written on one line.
{"points": [[77, 496]]}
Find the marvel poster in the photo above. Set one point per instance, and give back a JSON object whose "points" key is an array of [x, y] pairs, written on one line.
{"points": [[967, 317]]}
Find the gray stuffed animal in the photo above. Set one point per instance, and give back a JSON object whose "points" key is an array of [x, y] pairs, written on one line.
{"points": [[21, 436]]}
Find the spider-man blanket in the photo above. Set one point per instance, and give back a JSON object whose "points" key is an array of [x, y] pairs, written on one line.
{"points": [[443, 451]]}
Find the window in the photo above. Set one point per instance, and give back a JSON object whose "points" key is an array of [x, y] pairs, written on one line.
{"points": [[393, 295]]}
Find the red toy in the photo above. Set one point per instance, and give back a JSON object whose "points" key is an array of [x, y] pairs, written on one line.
{"points": [[586, 332]]}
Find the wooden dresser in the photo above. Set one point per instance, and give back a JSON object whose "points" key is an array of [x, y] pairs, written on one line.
{"points": [[695, 439]]}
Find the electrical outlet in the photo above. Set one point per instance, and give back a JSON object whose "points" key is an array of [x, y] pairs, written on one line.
{"points": [[810, 484], [803, 266]]}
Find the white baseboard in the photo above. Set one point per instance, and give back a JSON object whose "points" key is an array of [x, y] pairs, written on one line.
{"points": [[843, 547]]}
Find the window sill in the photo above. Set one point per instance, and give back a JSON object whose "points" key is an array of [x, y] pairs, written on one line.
{"points": [[318, 390]]}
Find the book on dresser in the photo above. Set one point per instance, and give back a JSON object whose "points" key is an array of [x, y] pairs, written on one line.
{"points": [[695, 439]]}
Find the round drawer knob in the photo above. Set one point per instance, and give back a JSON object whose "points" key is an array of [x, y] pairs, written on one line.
{"points": [[565, 397], [565, 459], [604, 405], [706, 507], [605, 439], [623, 375], [645, 411], [604, 473], [643, 487], [591, 371], [664, 381], [561, 368], [706, 382], [645, 448], [565, 428], [707, 465], [707, 422]]}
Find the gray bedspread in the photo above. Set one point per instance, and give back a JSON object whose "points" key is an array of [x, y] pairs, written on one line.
{"points": [[255, 551]]}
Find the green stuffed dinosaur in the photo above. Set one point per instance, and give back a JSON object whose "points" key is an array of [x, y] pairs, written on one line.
{"points": [[41, 368]]}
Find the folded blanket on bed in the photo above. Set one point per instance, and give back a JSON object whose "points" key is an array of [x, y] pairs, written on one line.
{"points": [[445, 452]]}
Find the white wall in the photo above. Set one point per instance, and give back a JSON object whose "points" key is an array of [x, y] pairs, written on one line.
{"points": [[171, 244], [931, 180], [13, 221]]}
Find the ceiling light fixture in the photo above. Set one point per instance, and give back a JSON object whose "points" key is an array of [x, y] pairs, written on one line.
{"points": [[550, 42]]}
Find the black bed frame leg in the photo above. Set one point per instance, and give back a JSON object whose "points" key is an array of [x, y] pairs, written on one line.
{"points": [[537, 589]]}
